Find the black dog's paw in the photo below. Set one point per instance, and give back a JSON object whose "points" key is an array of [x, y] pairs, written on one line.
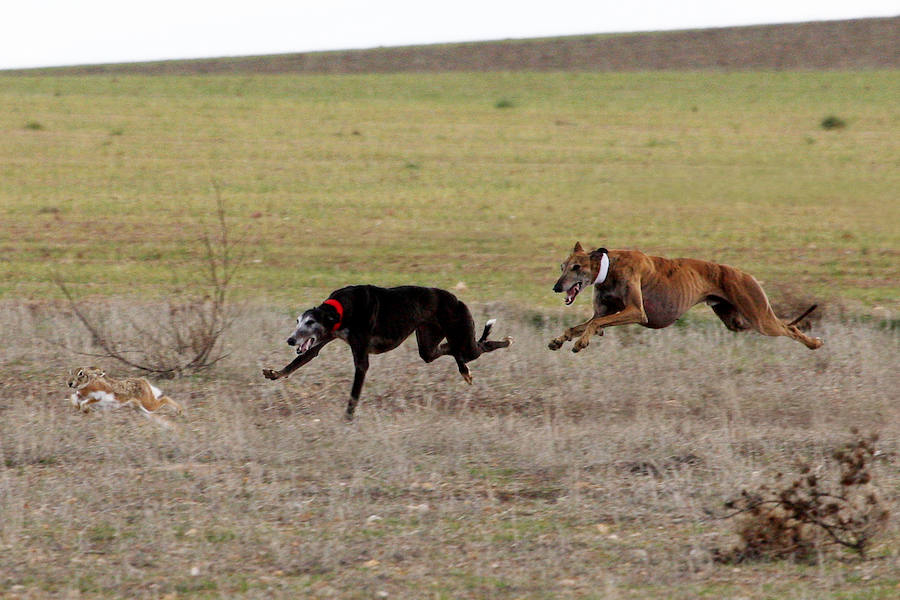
{"points": [[270, 374]]}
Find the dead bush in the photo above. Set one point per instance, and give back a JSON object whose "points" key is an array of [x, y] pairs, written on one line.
{"points": [[836, 503], [184, 334], [789, 301]]}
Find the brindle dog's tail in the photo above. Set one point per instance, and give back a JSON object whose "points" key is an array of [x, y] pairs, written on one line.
{"points": [[487, 330], [804, 315]]}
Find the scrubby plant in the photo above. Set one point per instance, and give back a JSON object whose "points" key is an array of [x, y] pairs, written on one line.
{"points": [[836, 503], [833, 122], [186, 336]]}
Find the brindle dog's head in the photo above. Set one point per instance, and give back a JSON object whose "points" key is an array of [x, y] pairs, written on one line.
{"points": [[314, 327], [579, 271]]}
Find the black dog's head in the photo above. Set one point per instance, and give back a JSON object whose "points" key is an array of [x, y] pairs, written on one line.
{"points": [[315, 326]]}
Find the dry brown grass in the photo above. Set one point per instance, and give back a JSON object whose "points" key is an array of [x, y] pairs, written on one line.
{"points": [[555, 475]]}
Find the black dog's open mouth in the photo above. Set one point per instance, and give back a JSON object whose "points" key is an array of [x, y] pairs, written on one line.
{"points": [[301, 348], [572, 292]]}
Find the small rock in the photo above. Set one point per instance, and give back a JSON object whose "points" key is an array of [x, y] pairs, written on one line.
{"points": [[372, 519], [640, 554], [700, 555], [371, 564], [195, 570]]}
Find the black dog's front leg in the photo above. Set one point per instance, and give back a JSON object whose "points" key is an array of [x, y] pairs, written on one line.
{"points": [[295, 364], [361, 365]]}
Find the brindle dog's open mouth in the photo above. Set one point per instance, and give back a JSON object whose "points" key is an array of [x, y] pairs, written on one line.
{"points": [[572, 292], [301, 348]]}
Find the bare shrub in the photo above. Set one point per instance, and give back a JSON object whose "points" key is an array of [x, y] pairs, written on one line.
{"points": [[182, 335], [793, 520], [832, 122], [789, 301]]}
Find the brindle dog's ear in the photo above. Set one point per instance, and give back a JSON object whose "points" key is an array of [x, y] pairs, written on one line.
{"points": [[578, 247], [599, 252]]}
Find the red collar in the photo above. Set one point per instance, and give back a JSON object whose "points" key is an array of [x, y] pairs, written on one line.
{"points": [[340, 311]]}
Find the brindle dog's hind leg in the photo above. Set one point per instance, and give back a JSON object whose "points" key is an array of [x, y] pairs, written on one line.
{"points": [[748, 297], [728, 314]]}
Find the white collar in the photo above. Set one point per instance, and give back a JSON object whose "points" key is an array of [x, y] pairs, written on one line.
{"points": [[604, 269]]}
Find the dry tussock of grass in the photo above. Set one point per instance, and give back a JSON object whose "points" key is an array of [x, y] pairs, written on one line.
{"points": [[554, 475], [837, 502]]}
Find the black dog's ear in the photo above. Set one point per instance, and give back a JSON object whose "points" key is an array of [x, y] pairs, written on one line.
{"points": [[599, 252], [329, 314]]}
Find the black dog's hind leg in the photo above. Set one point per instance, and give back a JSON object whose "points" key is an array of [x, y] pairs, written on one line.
{"points": [[486, 345], [462, 345], [429, 336], [295, 364], [361, 365]]}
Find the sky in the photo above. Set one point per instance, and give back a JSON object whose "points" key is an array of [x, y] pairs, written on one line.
{"points": [[36, 33]]}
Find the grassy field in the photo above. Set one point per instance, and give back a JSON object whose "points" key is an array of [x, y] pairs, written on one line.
{"points": [[597, 475], [439, 178]]}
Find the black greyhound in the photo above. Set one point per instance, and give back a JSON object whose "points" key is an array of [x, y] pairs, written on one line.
{"points": [[373, 320]]}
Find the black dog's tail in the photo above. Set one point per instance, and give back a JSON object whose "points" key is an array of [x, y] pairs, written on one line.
{"points": [[487, 330], [804, 315]]}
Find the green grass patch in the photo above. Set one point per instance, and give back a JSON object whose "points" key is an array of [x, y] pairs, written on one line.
{"points": [[420, 179], [102, 532], [218, 536]]}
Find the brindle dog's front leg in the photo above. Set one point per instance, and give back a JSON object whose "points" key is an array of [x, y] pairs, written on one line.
{"points": [[295, 364], [630, 314], [568, 334]]}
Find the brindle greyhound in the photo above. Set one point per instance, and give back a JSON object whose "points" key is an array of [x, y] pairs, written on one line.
{"points": [[632, 287], [373, 320]]}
